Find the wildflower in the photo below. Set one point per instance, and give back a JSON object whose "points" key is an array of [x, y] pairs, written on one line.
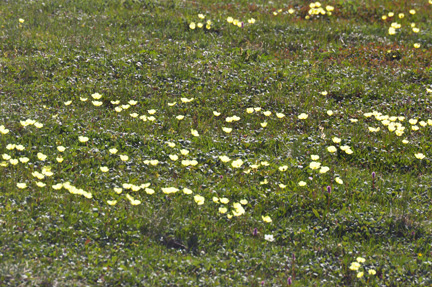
{"points": [[21, 20], [401, 15], [180, 117], [224, 200], [237, 163], [96, 96], [360, 274], [112, 202], [223, 210], [199, 199], [372, 272], [412, 11], [416, 30], [361, 260], [354, 266], [184, 151], [336, 140], [416, 45], [169, 190], [266, 219], [314, 165], [303, 116], [41, 156], [419, 155], [243, 202], [201, 16], [200, 25], [124, 157], [173, 157], [113, 150], [263, 124], [315, 157], [251, 21], [24, 159], [302, 183], [280, 115], [331, 149], [83, 139], [324, 169], [118, 190], [227, 130], [283, 168], [216, 114], [224, 158], [291, 11], [330, 112], [249, 110], [269, 237], [267, 113], [192, 25], [339, 180], [21, 185], [194, 133], [104, 169], [172, 104]]}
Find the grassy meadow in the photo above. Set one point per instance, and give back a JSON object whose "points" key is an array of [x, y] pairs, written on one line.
{"points": [[215, 143]]}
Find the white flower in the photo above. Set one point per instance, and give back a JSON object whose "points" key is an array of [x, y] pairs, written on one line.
{"points": [[269, 237]]}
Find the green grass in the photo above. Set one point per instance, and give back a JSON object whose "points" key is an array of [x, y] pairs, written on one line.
{"points": [[145, 51]]}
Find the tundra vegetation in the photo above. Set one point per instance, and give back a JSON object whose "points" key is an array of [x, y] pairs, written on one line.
{"points": [[215, 143]]}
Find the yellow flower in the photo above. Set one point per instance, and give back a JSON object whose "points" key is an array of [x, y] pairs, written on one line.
{"points": [[237, 163], [104, 169], [97, 103], [303, 116], [61, 148], [302, 183], [361, 260], [224, 158], [200, 25], [96, 96], [125, 107], [265, 163], [172, 104], [392, 31], [283, 168], [151, 112], [329, 8], [186, 100], [118, 109], [223, 210], [173, 157], [41, 156], [192, 25], [360, 274], [169, 190], [199, 199], [227, 130], [266, 219], [416, 30], [339, 180], [216, 114], [113, 150], [412, 11], [291, 11], [5, 156], [21, 20], [40, 184], [331, 149], [280, 115], [372, 272], [124, 157], [230, 20], [401, 15], [267, 113], [83, 139], [187, 191], [390, 14], [324, 169], [330, 112], [405, 141], [115, 102], [3, 130], [180, 117], [224, 200], [354, 266], [315, 157], [384, 17], [314, 165], [257, 109], [243, 202], [415, 128], [59, 159], [194, 133], [201, 16], [336, 140], [281, 185], [57, 186], [13, 161], [184, 151], [134, 115], [419, 155], [112, 202], [151, 118], [118, 190], [348, 151], [38, 125], [263, 124], [416, 45], [251, 21], [68, 103], [10, 146], [24, 159], [21, 185], [149, 191], [372, 129]]}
